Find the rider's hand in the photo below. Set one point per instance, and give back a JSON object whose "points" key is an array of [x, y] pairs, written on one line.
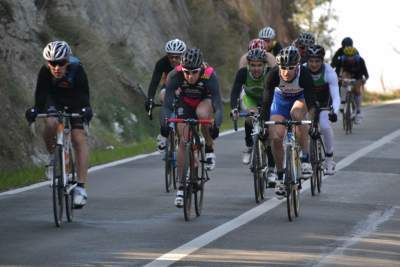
{"points": [[234, 114], [51, 109], [214, 131], [148, 104], [332, 117], [313, 131], [86, 114], [30, 114]]}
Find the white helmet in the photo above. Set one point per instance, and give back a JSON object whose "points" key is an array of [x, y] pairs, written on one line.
{"points": [[175, 46], [57, 50], [267, 33]]}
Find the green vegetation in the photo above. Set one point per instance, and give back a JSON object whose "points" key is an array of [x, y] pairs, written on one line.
{"points": [[374, 97]]}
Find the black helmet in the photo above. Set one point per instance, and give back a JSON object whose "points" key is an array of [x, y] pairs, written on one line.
{"points": [[257, 54], [288, 56], [316, 51], [306, 39], [347, 42], [192, 58]]}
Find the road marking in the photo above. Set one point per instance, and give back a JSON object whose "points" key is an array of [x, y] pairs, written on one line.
{"points": [[188, 248], [363, 229]]}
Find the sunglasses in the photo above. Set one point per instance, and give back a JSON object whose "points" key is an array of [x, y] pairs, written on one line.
{"points": [[252, 65], [191, 72], [287, 67], [60, 63]]}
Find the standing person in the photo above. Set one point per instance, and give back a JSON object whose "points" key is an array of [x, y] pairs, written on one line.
{"points": [[174, 50], [327, 93], [289, 94], [271, 44], [62, 83], [352, 65], [197, 89], [249, 87]]}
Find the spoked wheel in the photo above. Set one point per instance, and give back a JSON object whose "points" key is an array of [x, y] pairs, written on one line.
{"points": [[296, 199], [57, 186], [289, 201], [348, 115], [201, 176], [321, 159], [256, 169], [289, 176], [188, 173], [315, 166], [69, 198], [170, 166]]}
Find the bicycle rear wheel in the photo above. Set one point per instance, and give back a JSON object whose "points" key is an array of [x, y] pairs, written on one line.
{"points": [[201, 178], [69, 198], [188, 185], [58, 186]]}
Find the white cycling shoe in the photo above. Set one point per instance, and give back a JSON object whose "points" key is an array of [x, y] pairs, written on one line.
{"points": [[329, 166], [210, 161], [179, 199], [306, 170], [80, 197], [246, 155], [280, 190]]}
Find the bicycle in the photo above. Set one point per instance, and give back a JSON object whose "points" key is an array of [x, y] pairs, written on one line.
{"points": [[170, 155], [64, 170], [258, 158], [194, 174], [317, 158], [349, 105], [292, 166]]}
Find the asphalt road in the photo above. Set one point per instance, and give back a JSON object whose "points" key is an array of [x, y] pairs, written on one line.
{"points": [[130, 221]]}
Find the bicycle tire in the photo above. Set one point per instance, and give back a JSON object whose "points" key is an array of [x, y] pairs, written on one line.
{"points": [[168, 164], [289, 175], [256, 169], [321, 159], [348, 114], [69, 198], [187, 184], [314, 164], [200, 182], [262, 173], [57, 186]]}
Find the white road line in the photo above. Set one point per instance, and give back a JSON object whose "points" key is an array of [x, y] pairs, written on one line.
{"points": [[212, 235], [363, 229]]}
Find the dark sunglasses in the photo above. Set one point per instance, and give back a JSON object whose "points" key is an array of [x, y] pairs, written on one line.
{"points": [[177, 57], [287, 67], [194, 71], [60, 63]]}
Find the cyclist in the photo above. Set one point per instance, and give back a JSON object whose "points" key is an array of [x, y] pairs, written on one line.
{"points": [[288, 94], [327, 93], [197, 89], [347, 41], [352, 65], [174, 50], [271, 45], [62, 82], [257, 43], [249, 87], [304, 40]]}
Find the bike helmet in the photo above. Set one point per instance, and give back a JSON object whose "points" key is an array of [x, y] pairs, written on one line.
{"points": [[257, 54], [192, 58], [350, 51], [175, 46], [256, 43], [57, 50], [347, 42], [288, 56], [316, 51], [306, 39], [267, 33]]}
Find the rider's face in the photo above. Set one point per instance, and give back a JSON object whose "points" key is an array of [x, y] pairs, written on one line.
{"points": [[268, 44], [191, 76], [174, 59], [287, 73], [58, 68], [314, 64], [256, 68]]}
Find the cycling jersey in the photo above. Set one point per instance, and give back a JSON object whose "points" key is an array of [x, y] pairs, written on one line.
{"points": [[161, 70], [354, 65], [252, 88], [276, 48], [190, 95], [277, 90], [70, 91], [326, 87]]}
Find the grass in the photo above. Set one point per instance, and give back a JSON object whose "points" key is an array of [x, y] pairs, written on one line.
{"points": [[24, 177]]}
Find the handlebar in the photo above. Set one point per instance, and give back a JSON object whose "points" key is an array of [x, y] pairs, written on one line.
{"points": [[153, 105], [59, 114], [191, 121], [288, 122]]}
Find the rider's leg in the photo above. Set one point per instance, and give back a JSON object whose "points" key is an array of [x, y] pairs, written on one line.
{"points": [[49, 133], [327, 135], [357, 95], [81, 147], [204, 111], [299, 112], [161, 96], [276, 135]]}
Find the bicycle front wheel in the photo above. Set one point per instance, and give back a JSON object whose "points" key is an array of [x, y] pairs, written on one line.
{"points": [[58, 186], [289, 177], [256, 167], [321, 159], [69, 198], [201, 178], [188, 185], [315, 165], [170, 168]]}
